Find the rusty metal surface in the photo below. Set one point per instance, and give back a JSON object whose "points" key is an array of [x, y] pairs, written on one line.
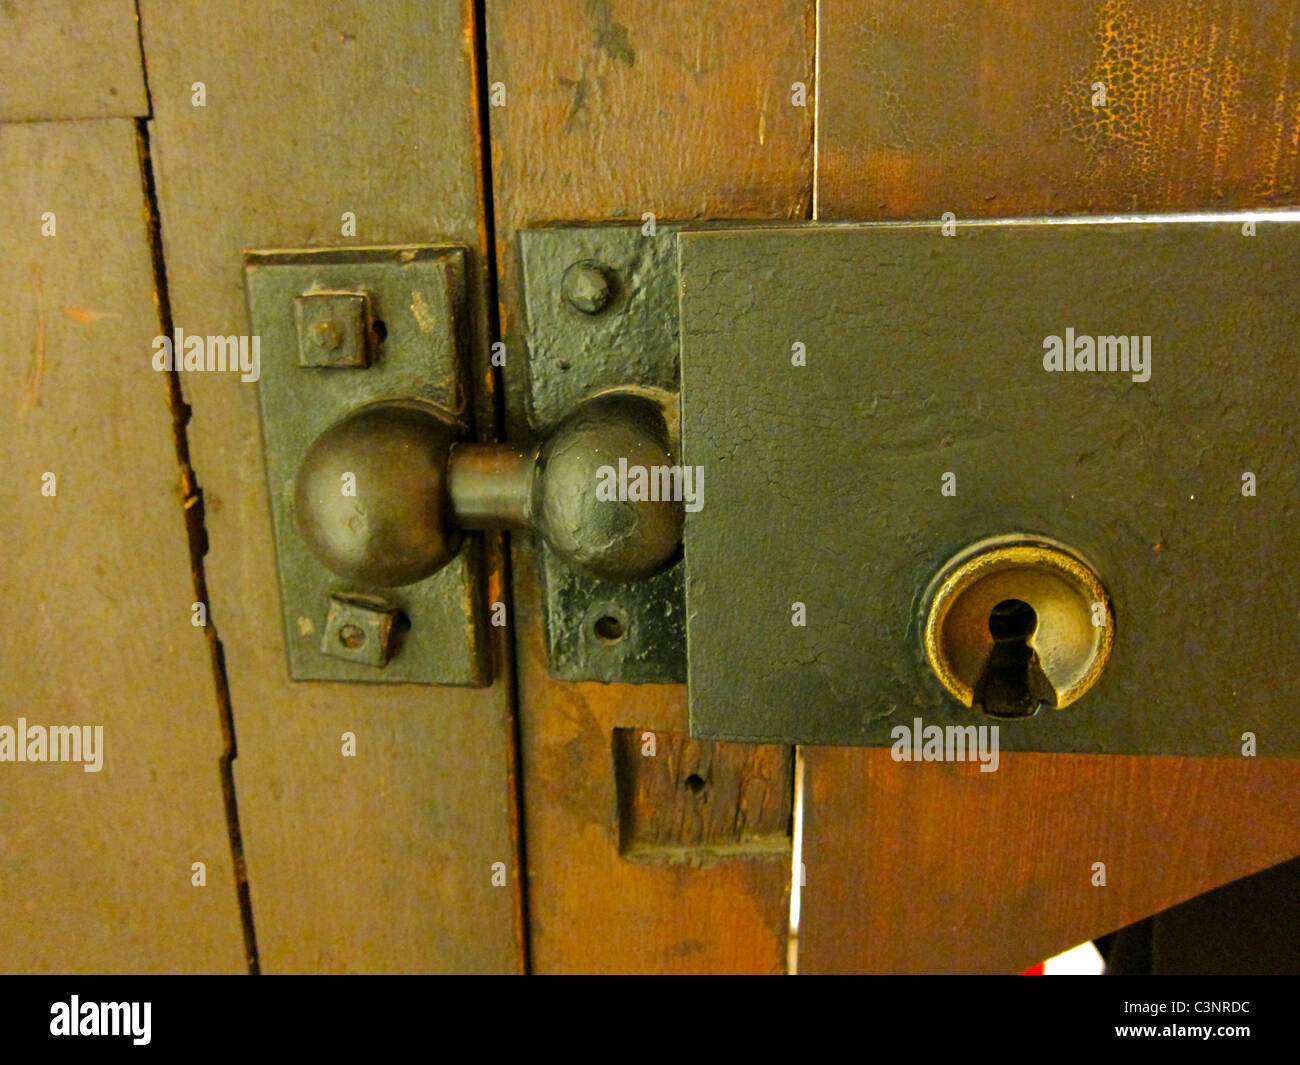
{"points": [[925, 356]]}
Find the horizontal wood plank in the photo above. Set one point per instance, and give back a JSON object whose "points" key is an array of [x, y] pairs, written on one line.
{"points": [[70, 59]]}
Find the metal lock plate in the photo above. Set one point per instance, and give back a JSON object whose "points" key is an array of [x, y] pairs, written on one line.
{"points": [[925, 356], [341, 328], [625, 338]]}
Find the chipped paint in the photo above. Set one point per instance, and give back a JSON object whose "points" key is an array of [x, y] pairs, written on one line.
{"points": [[423, 315]]}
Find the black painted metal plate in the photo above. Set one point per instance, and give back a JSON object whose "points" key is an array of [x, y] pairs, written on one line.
{"points": [[631, 343], [925, 356]]}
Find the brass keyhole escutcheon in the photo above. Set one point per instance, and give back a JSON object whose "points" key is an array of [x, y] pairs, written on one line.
{"points": [[1017, 624]]}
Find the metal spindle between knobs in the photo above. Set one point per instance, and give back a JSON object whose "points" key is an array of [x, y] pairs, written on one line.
{"points": [[413, 489]]}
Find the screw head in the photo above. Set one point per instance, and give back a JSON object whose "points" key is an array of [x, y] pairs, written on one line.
{"points": [[586, 287], [352, 636]]}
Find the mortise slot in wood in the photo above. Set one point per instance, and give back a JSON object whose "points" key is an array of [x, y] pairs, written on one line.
{"points": [[683, 800]]}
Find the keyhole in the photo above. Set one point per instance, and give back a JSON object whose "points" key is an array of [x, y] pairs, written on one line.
{"points": [[1012, 683]]}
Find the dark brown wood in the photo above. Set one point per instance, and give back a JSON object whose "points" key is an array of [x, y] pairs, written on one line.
{"points": [[70, 59], [681, 109], [681, 799], [985, 109], [383, 861], [96, 591], [590, 908], [937, 867]]}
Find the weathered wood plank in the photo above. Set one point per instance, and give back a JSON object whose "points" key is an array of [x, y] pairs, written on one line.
{"points": [[940, 868], [681, 799], [382, 861], [987, 108], [96, 589], [984, 110], [70, 59], [681, 109]]}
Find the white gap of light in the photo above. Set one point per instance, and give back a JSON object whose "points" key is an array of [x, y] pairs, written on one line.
{"points": [[796, 868], [1083, 960]]}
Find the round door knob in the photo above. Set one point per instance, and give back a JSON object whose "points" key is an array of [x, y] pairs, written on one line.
{"points": [[1016, 624], [371, 495], [381, 494], [597, 528]]}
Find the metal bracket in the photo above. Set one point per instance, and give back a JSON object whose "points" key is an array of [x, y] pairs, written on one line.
{"points": [[601, 314], [339, 329]]}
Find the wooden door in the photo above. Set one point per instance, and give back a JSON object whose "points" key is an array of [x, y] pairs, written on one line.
{"points": [[694, 110], [115, 855], [487, 830], [400, 857]]}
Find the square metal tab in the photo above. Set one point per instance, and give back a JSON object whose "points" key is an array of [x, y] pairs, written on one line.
{"points": [[359, 630], [333, 329]]}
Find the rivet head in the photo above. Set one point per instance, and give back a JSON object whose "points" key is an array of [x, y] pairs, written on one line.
{"points": [[587, 287], [328, 334]]}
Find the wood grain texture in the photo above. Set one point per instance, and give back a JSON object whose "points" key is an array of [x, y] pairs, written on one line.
{"points": [[382, 862], [681, 799], [615, 109], [937, 867], [985, 109], [70, 59], [590, 909], [96, 588]]}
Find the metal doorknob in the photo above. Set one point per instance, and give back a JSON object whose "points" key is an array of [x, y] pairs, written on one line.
{"points": [[382, 496]]}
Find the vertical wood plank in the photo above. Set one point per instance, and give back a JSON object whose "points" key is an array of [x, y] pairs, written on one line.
{"points": [[382, 861], [615, 109], [96, 588], [70, 59], [986, 110]]}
